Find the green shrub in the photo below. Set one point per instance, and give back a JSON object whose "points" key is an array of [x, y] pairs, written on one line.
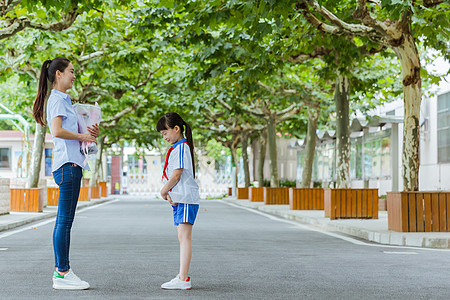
{"points": [[287, 183], [317, 184]]}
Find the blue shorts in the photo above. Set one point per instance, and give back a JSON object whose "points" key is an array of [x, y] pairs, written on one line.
{"points": [[184, 213]]}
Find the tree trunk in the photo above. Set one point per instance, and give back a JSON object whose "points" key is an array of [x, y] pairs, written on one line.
{"points": [[313, 116], [410, 62], [245, 159], [342, 99], [271, 137], [233, 162], [38, 149], [262, 157], [98, 161]]}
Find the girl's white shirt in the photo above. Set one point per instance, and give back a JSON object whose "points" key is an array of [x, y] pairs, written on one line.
{"points": [[186, 190]]}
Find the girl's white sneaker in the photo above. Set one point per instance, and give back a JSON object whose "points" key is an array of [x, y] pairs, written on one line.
{"points": [[68, 281], [177, 284]]}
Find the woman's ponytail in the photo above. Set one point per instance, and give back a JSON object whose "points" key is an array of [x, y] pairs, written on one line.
{"points": [[190, 143], [48, 73], [38, 107]]}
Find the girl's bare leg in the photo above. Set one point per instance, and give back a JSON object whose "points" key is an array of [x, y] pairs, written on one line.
{"points": [[184, 237]]}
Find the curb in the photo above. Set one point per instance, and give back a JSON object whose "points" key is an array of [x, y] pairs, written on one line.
{"points": [[48, 214], [385, 238]]}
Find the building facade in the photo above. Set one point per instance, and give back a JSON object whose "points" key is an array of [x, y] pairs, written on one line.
{"points": [[15, 155], [376, 148]]}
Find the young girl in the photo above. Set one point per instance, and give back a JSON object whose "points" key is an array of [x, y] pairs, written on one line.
{"points": [[180, 190], [67, 162]]}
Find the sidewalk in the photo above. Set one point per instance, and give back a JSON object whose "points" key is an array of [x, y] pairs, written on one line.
{"points": [[16, 219], [371, 230]]}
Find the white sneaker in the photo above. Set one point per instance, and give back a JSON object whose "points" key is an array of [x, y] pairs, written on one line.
{"points": [[68, 281], [177, 284]]}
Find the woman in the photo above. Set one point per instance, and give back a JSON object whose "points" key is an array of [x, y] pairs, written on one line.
{"points": [[67, 163]]}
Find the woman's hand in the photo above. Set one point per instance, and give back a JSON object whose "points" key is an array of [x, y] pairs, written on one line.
{"points": [[94, 130], [87, 137]]}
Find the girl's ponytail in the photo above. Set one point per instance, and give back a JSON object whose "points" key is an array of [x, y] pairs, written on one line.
{"points": [[38, 107], [172, 119], [190, 143]]}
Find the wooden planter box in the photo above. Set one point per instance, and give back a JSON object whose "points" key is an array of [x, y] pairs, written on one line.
{"points": [[276, 195], [95, 192], [27, 200], [242, 193], [84, 194], [256, 194], [52, 196], [103, 190], [306, 199], [419, 211], [351, 203]]}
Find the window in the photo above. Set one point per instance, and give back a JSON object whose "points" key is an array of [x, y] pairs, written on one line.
{"points": [[376, 158], [386, 157], [391, 113], [108, 166], [137, 165], [368, 160], [377, 155], [372, 159], [48, 161], [5, 158], [443, 128], [300, 162], [133, 165], [143, 164], [331, 161], [356, 159]]}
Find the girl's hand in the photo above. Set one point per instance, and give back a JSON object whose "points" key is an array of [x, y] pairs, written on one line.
{"points": [[170, 201], [164, 194], [87, 137], [94, 130]]}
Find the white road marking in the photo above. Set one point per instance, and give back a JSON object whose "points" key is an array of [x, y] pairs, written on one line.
{"points": [[342, 237], [3, 249], [52, 220], [399, 252]]}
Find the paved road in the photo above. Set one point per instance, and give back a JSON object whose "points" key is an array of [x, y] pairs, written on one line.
{"points": [[126, 249]]}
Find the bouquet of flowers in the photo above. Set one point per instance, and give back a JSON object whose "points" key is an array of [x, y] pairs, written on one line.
{"points": [[88, 115]]}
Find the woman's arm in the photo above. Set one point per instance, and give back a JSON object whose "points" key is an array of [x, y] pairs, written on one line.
{"points": [[173, 180], [62, 133]]}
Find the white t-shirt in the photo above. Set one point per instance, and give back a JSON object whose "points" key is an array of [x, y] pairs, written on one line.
{"points": [[186, 190]]}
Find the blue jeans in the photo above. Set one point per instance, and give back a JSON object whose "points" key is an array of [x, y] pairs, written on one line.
{"points": [[68, 178]]}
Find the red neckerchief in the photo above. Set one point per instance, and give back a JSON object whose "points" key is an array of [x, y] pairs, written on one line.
{"points": [[167, 161]]}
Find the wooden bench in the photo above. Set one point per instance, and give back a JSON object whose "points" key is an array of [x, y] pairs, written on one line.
{"points": [[84, 194], [306, 199], [26, 200], [256, 194], [242, 193], [52, 196], [103, 189], [351, 203], [95, 192], [419, 211], [278, 195]]}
